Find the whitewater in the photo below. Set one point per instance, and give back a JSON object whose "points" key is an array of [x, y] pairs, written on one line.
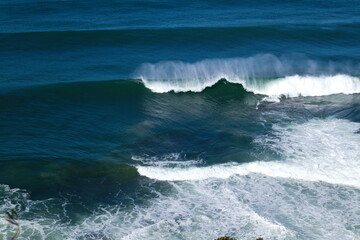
{"points": [[260, 74]]}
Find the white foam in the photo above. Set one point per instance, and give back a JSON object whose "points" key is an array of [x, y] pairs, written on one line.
{"points": [[289, 199], [202, 211], [14, 198], [167, 160], [319, 150], [295, 86], [253, 73], [244, 207]]}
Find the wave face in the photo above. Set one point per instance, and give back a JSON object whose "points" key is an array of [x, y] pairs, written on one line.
{"points": [[261, 74]]}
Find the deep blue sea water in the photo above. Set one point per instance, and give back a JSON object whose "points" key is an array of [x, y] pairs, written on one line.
{"points": [[180, 120]]}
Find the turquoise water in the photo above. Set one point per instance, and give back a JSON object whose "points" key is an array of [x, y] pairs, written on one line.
{"points": [[180, 120]]}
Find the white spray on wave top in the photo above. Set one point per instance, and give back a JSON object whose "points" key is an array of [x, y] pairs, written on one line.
{"points": [[261, 74]]}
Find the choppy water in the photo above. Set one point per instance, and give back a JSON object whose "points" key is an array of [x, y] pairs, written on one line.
{"points": [[180, 120]]}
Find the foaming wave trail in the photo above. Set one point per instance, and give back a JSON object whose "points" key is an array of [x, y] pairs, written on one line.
{"points": [[319, 150], [263, 74]]}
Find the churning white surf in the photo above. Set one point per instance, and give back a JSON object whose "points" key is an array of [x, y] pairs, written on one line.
{"points": [[290, 199], [318, 150], [258, 74], [245, 207]]}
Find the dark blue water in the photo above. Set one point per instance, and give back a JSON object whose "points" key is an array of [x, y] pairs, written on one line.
{"points": [[180, 120]]}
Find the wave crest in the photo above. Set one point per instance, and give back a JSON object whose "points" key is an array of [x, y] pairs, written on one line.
{"points": [[261, 74]]}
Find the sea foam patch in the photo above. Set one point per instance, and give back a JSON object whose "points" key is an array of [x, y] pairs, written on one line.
{"points": [[167, 160], [289, 199], [319, 150], [242, 207], [245, 207], [312, 193]]}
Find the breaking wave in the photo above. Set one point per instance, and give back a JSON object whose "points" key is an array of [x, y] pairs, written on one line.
{"points": [[319, 150], [261, 74]]}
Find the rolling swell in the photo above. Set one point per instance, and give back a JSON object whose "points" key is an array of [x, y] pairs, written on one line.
{"points": [[342, 34], [91, 92]]}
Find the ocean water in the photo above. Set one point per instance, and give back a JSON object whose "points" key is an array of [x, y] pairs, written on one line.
{"points": [[180, 120]]}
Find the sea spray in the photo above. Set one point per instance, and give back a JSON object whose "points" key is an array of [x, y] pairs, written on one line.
{"points": [[261, 74]]}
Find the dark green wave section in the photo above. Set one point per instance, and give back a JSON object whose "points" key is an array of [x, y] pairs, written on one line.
{"points": [[112, 91], [44, 177]]}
